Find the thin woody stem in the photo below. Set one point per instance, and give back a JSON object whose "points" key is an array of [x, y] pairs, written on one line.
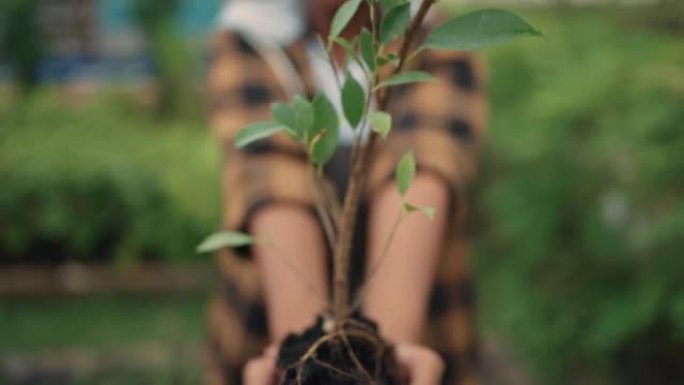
{"points": [[331, 62], [332, 203], [358, 179], [374, 269], [322, 208]]}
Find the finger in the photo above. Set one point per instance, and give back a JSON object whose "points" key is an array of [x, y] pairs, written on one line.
{"points": [[425, 367], [271, 351], [259, 371]]}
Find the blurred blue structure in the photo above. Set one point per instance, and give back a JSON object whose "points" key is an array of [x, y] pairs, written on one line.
{"points": [[99, 39]]}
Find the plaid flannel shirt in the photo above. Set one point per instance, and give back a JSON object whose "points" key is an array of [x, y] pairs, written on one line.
{"points": [[442, 122]]}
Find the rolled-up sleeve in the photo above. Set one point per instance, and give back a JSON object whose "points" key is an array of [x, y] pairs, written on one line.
{"points": [[242, 87], [442, 122]]}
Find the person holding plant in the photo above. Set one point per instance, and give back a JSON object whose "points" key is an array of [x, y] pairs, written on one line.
{"points": [[420, 294]]}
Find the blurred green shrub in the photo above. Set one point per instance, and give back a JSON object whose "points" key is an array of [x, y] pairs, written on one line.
{"points": [[581, 230], [103, 183], [53, 218], [174, 66], [21, 40]]}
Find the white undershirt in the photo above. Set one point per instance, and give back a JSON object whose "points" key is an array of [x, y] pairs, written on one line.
{"points": [[324, 77]]}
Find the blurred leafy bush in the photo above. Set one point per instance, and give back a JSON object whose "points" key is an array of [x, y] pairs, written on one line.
{"points": [[21, 40], [101, 182], [174, 65], [581, 216]]}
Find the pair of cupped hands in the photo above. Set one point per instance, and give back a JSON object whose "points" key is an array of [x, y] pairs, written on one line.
{"points": [[422, 366]]}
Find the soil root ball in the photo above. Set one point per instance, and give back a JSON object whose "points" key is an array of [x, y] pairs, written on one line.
{"points": [[352, 354]]}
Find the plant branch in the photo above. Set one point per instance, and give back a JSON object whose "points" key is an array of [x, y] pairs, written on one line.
{"points": [[374, 269], [333, 205], [322, 208], [331, 61], [357, 181]]}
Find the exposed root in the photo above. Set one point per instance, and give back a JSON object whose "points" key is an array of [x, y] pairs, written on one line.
{"points": [[352, 353]]}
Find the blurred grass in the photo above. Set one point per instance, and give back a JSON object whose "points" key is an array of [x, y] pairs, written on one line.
{"points": [[112, 339], [101, 322]]}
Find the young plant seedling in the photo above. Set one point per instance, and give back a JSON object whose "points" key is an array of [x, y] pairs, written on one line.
{"points": [[315, 125]]}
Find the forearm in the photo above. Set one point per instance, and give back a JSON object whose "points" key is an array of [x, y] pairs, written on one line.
{"points": [[398, 295], [292, 267]]}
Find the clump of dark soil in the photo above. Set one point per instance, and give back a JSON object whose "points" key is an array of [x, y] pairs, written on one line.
{"points": [[351, 353]]}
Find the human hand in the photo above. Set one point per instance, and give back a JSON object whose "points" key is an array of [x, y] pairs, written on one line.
{"points": [[262, 370], [422, 365]]}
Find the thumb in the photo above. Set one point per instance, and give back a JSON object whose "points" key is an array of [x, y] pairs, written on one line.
{"points": [[259, 371], [424, 366]]}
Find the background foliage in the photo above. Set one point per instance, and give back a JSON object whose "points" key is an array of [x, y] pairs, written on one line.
{"points": [[578, 215], [103, 182]]}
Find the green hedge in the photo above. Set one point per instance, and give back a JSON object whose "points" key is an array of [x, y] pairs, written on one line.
{"points": [[580, 210], [102, 183]]}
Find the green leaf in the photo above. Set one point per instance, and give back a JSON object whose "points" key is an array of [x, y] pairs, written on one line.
{"points": [[406, 78], [479, 30], [342, 17], [349, 48], [367, 48], [428, 211], [297, 116], [389, 4], [381, 122], [256, 131], [325, 141], [395, 23], [223, 239], [303, 113], [284, 114], [406, 171], [353, 100], [390, 58]]}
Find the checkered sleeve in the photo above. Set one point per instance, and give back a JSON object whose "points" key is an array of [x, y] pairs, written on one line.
{"points": [[442, 122], [242, 87]]}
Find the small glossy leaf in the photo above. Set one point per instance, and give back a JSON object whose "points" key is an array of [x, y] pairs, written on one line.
{"points": [[428, 211], [349, 48], [407, 78], [406, 171], [256, 131], [479, 30], [390, 58], [367, 49], [389, 4], [395, 23], [343, 16], [224, 239], [303, 113], [381, 122], [327, 126], [284, 114], [353, 100]]}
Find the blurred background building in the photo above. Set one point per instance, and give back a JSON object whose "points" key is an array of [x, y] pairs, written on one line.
{"points": [[109, 178], [104, 39]]}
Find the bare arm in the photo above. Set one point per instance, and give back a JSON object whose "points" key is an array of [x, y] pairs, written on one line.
{"points": [[293, 270], [397, 297]]}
